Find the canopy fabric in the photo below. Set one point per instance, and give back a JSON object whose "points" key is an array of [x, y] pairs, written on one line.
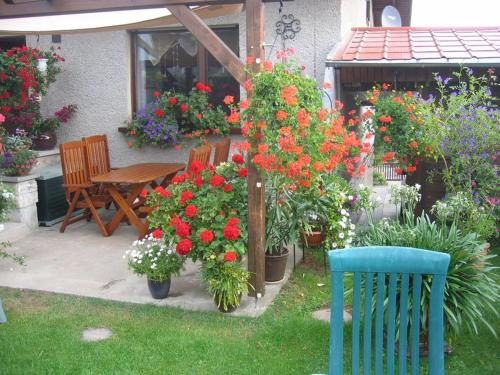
{"points": [[106, 21]]}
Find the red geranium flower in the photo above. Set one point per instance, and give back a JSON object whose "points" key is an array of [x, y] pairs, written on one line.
{"points": [[228, 99], [411, 169], [144, 193], [198, 181], [382, 129], [179, 178], [281, 115], [206, 236], [185, 196], [227, 188], [175, 221], [231, 232], [157, 233], [184, 107], [183, 247], [387, 139], [196, 167], [385, 119], [172, 100], [156, 94], [413, 144], [216, 180], [161, 190], [160, 112], [230, 256], [199, 116], [243, 172], [182, 229], [238, 159], [190, 210], [233, 221]]}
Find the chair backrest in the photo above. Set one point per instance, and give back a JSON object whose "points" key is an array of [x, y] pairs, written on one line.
{"points": [[392, 267], [201, 154], [222, 151], [97, 154], [74, 163]]}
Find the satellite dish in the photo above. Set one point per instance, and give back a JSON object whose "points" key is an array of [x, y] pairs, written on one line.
{"points": [[391, 17]]}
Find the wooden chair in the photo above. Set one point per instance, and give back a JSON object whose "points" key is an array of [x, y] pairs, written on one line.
{"points": [[393, 267], [97, 154], [78, 186], [222, 151], [201, 154]]}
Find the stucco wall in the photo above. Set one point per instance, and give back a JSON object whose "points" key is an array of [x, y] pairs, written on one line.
{"points": [[96, 74], [353, 15]]}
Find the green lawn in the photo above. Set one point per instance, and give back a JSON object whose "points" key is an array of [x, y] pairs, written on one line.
{"points": [[43, 337]]}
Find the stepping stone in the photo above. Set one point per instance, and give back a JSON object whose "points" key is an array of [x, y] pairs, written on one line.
{"points": [[324, 315], [96, 334]]}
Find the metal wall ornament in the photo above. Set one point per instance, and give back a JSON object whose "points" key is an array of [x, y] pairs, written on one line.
{"points": [[288, 27]]}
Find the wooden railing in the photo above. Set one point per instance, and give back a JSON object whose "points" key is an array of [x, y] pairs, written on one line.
{"points": [[388, 170]]}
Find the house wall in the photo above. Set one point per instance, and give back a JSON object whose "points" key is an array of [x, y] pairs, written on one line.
{"points": [[96, 73]]}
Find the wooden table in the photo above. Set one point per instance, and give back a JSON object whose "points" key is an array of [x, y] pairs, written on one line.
{"points": [[138, 176]]}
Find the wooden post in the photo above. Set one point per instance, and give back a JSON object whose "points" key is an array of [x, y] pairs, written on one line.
{"points": [[256, 192]]}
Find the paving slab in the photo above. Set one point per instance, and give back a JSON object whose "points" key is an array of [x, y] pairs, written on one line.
{"points": [[84, 263]]}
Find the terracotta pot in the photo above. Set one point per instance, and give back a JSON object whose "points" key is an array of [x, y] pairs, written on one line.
{"points": [[313, 239], [45, 141], [159, 289], [275, 266]]}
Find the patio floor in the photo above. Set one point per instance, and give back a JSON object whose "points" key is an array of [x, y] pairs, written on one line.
{"points": [[82, 262]]}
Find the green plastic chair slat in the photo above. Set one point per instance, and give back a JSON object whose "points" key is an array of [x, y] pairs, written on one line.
{"points": [[399, 263], [436, 351], [337, 324], [403, 323], [367, 327], [391, 321], [415, 324], [379, 324], [356, 317]]}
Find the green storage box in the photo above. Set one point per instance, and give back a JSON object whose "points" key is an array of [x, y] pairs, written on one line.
{"points": [[52, 205]]}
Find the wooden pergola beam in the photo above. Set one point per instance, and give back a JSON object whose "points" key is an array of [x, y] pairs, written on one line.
{"points": [[60, 7], [256, 189], [210, 40]]}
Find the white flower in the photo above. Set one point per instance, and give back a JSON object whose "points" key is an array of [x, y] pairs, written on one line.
{"points": [[350, 197], [349, 240], [350, 233], [342, 224], [341, 235], [352, 226], [334, 245], [417, 186], [343, 212], [344, 219]]}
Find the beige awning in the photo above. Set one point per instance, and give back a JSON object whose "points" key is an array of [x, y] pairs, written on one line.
{"points": [[107, 21]]}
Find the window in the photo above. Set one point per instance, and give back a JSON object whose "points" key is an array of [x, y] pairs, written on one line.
{"points": [[174, 60]]}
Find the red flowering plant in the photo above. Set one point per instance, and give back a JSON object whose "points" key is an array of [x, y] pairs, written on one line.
{"points": [[397, 124], [22, 83], [293, 140], [173, 116], [206, 215]]}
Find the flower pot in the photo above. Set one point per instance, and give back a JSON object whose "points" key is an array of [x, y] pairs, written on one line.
{"points": [[432, 189], [220, 305], [44, 141], [312, 239], [159, 289], [275, 266]]}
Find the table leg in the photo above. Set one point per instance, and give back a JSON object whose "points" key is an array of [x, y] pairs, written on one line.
{"points": [[165, 182], [125, 209]]}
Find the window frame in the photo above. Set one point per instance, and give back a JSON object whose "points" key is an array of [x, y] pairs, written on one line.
{"points": [[202, 57]]}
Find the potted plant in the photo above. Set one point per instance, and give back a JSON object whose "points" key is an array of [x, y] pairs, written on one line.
{"points": [[204, 216], [155, 259], [43, 130], [226, 280], [16, 159]]}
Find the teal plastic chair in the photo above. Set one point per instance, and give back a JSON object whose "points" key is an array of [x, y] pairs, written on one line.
{"points": [[398, 263]]}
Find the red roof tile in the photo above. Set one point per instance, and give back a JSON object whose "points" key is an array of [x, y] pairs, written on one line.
{"points": [[420, 45]]}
